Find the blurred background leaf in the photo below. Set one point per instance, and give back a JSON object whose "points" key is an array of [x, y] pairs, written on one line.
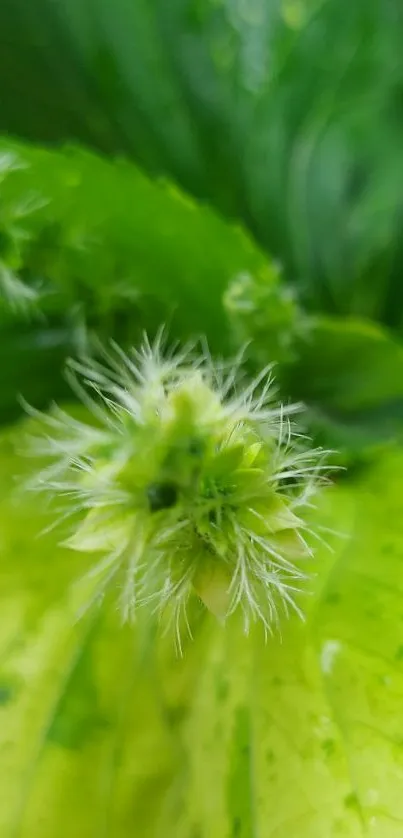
{"points": [[287, 116], [349, 372], [90, 246]]}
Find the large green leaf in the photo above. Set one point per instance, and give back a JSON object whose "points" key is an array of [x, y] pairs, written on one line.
{"points": [[98, 232], [104, 732], [98, 245], [303, 737], [295, 129], [172, 83]]}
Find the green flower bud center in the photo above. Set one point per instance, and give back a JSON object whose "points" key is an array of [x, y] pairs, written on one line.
{"points": [[161, 496]]}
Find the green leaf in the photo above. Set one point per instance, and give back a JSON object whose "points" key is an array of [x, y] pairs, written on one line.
{"points": [[88, 721], [171, 84], [349, 372], [105, 732], [303, 737], [101, 232], [103, 249], [285, 115], [32, 357]]}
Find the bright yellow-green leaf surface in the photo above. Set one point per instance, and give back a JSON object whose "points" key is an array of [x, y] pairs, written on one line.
{"points": [[104, 733], [87, 733], [302, 739]]}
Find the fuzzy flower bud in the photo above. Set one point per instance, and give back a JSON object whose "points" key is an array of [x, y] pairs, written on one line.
{"points": [[188, 483]]}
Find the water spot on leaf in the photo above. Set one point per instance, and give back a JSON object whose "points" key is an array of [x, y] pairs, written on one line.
{"points": [[7, 693], [78, 717], [330, 651], [236, 828], [239, 791], [176, 715], [351, 801], [333, 598], [221, 687], [328, 747]]}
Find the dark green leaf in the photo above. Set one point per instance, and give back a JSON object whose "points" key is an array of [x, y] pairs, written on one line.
{"points": [[350, 374], [103, 249], [288, 120]]}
